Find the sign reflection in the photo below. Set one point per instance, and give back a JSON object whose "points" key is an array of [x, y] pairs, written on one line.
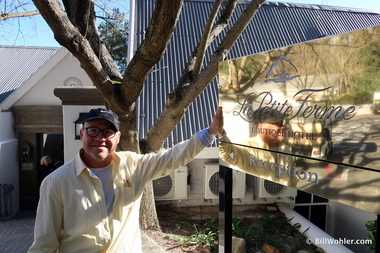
{"points": [[308, 117]]}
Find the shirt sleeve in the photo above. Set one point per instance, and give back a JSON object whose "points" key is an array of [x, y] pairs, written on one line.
{"points": [[48, 220], [155, 165], [205, 137]]}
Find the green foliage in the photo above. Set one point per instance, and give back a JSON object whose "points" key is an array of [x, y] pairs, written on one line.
{"points": [[365, 86], [203, 235], [275, 231], [241, 231], [114, 33], [367, 80], [346, 99], [372, 234]]}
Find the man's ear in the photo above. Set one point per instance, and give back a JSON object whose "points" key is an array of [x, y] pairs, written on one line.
{"points": [[118, 134], [81, 132]]}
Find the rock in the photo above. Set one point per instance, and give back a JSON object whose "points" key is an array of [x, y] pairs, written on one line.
{"points": [[270, 249], [201, 249], [238, 245]]}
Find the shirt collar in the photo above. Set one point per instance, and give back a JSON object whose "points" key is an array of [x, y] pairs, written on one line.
{"points": [[80, 166]]}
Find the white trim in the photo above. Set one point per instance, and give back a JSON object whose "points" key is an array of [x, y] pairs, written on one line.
{"points": [[314, 233], [132, 30]]}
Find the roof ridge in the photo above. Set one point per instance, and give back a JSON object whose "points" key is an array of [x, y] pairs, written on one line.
{"points": [[306, 6], [30, 47], [320, 7]]}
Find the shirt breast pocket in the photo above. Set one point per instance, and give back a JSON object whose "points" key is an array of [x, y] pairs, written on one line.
{"points": [[127, 192]]}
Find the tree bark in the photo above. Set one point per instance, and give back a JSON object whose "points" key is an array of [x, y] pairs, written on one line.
{"points": [[147, 222], [5, 16]]}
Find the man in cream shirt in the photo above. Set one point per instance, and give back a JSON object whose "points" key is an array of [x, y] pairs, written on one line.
{"points": [[91, 203]]}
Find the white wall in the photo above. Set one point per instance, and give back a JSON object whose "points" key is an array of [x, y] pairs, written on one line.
{"points": [[348, 222], [42, 93], [6, 125], [8, 157]]}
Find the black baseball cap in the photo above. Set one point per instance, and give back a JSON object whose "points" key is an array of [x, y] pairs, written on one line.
{"points": [[105, 114]]}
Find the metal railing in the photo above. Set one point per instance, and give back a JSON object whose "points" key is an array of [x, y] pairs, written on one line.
{"points": [[6, 200]]}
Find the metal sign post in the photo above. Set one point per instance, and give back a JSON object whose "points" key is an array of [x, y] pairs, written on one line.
{"points": [[225, 209], [377, 237]]}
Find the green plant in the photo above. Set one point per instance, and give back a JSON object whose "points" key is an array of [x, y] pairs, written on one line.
{"points": [[277, 231], [203, 235], [372, 233], [266, 233], [241, 231]]}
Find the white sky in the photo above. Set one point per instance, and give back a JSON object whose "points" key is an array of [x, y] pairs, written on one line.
{"points": [[35, 32]]}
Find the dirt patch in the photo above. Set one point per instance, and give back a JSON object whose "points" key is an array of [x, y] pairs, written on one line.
{"points": [[181, 229]]}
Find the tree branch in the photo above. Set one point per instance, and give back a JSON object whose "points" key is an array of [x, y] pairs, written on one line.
{"points": [[194, 65], [201, 49], [151, 50], [5, 16], [82, 15], [175, 111]]}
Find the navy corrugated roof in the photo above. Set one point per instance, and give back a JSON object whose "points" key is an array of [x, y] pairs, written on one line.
{"points": [[18, 63], [275, 25]]}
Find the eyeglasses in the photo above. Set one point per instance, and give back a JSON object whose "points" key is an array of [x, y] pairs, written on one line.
{"points": [[94, 131]]}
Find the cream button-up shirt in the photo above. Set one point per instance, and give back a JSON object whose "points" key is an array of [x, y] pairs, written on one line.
{"points": [[72, 212]]}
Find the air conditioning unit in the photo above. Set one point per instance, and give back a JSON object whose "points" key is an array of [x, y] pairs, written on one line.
{"points": [[212, 182], [171, 187], [268, 189]]}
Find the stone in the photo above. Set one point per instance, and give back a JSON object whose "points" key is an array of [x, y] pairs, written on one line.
{"points": [[238, 245], [270, 249]]}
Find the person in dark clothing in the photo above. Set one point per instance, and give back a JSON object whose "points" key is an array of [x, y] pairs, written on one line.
{"points": [[46, 167]]}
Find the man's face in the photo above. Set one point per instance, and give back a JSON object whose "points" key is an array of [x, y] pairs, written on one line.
{"points": [[98, 150], [272, 133]]}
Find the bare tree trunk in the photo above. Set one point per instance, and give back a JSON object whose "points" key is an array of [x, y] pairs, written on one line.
{"points": [[147, 208]]}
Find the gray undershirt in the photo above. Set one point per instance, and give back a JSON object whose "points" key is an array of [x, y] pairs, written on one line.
{"points": [[105, 176]]}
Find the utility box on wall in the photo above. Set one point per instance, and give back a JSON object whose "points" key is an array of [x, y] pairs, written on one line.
{"points": [[171, 187], [211, 183], [267, 189]]}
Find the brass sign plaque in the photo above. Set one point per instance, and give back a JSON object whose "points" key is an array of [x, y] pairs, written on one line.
{"points": [[308, 116]]}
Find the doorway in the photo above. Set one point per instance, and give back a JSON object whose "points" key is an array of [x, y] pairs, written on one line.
{"points": [[51, 146], [42, 144]]}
